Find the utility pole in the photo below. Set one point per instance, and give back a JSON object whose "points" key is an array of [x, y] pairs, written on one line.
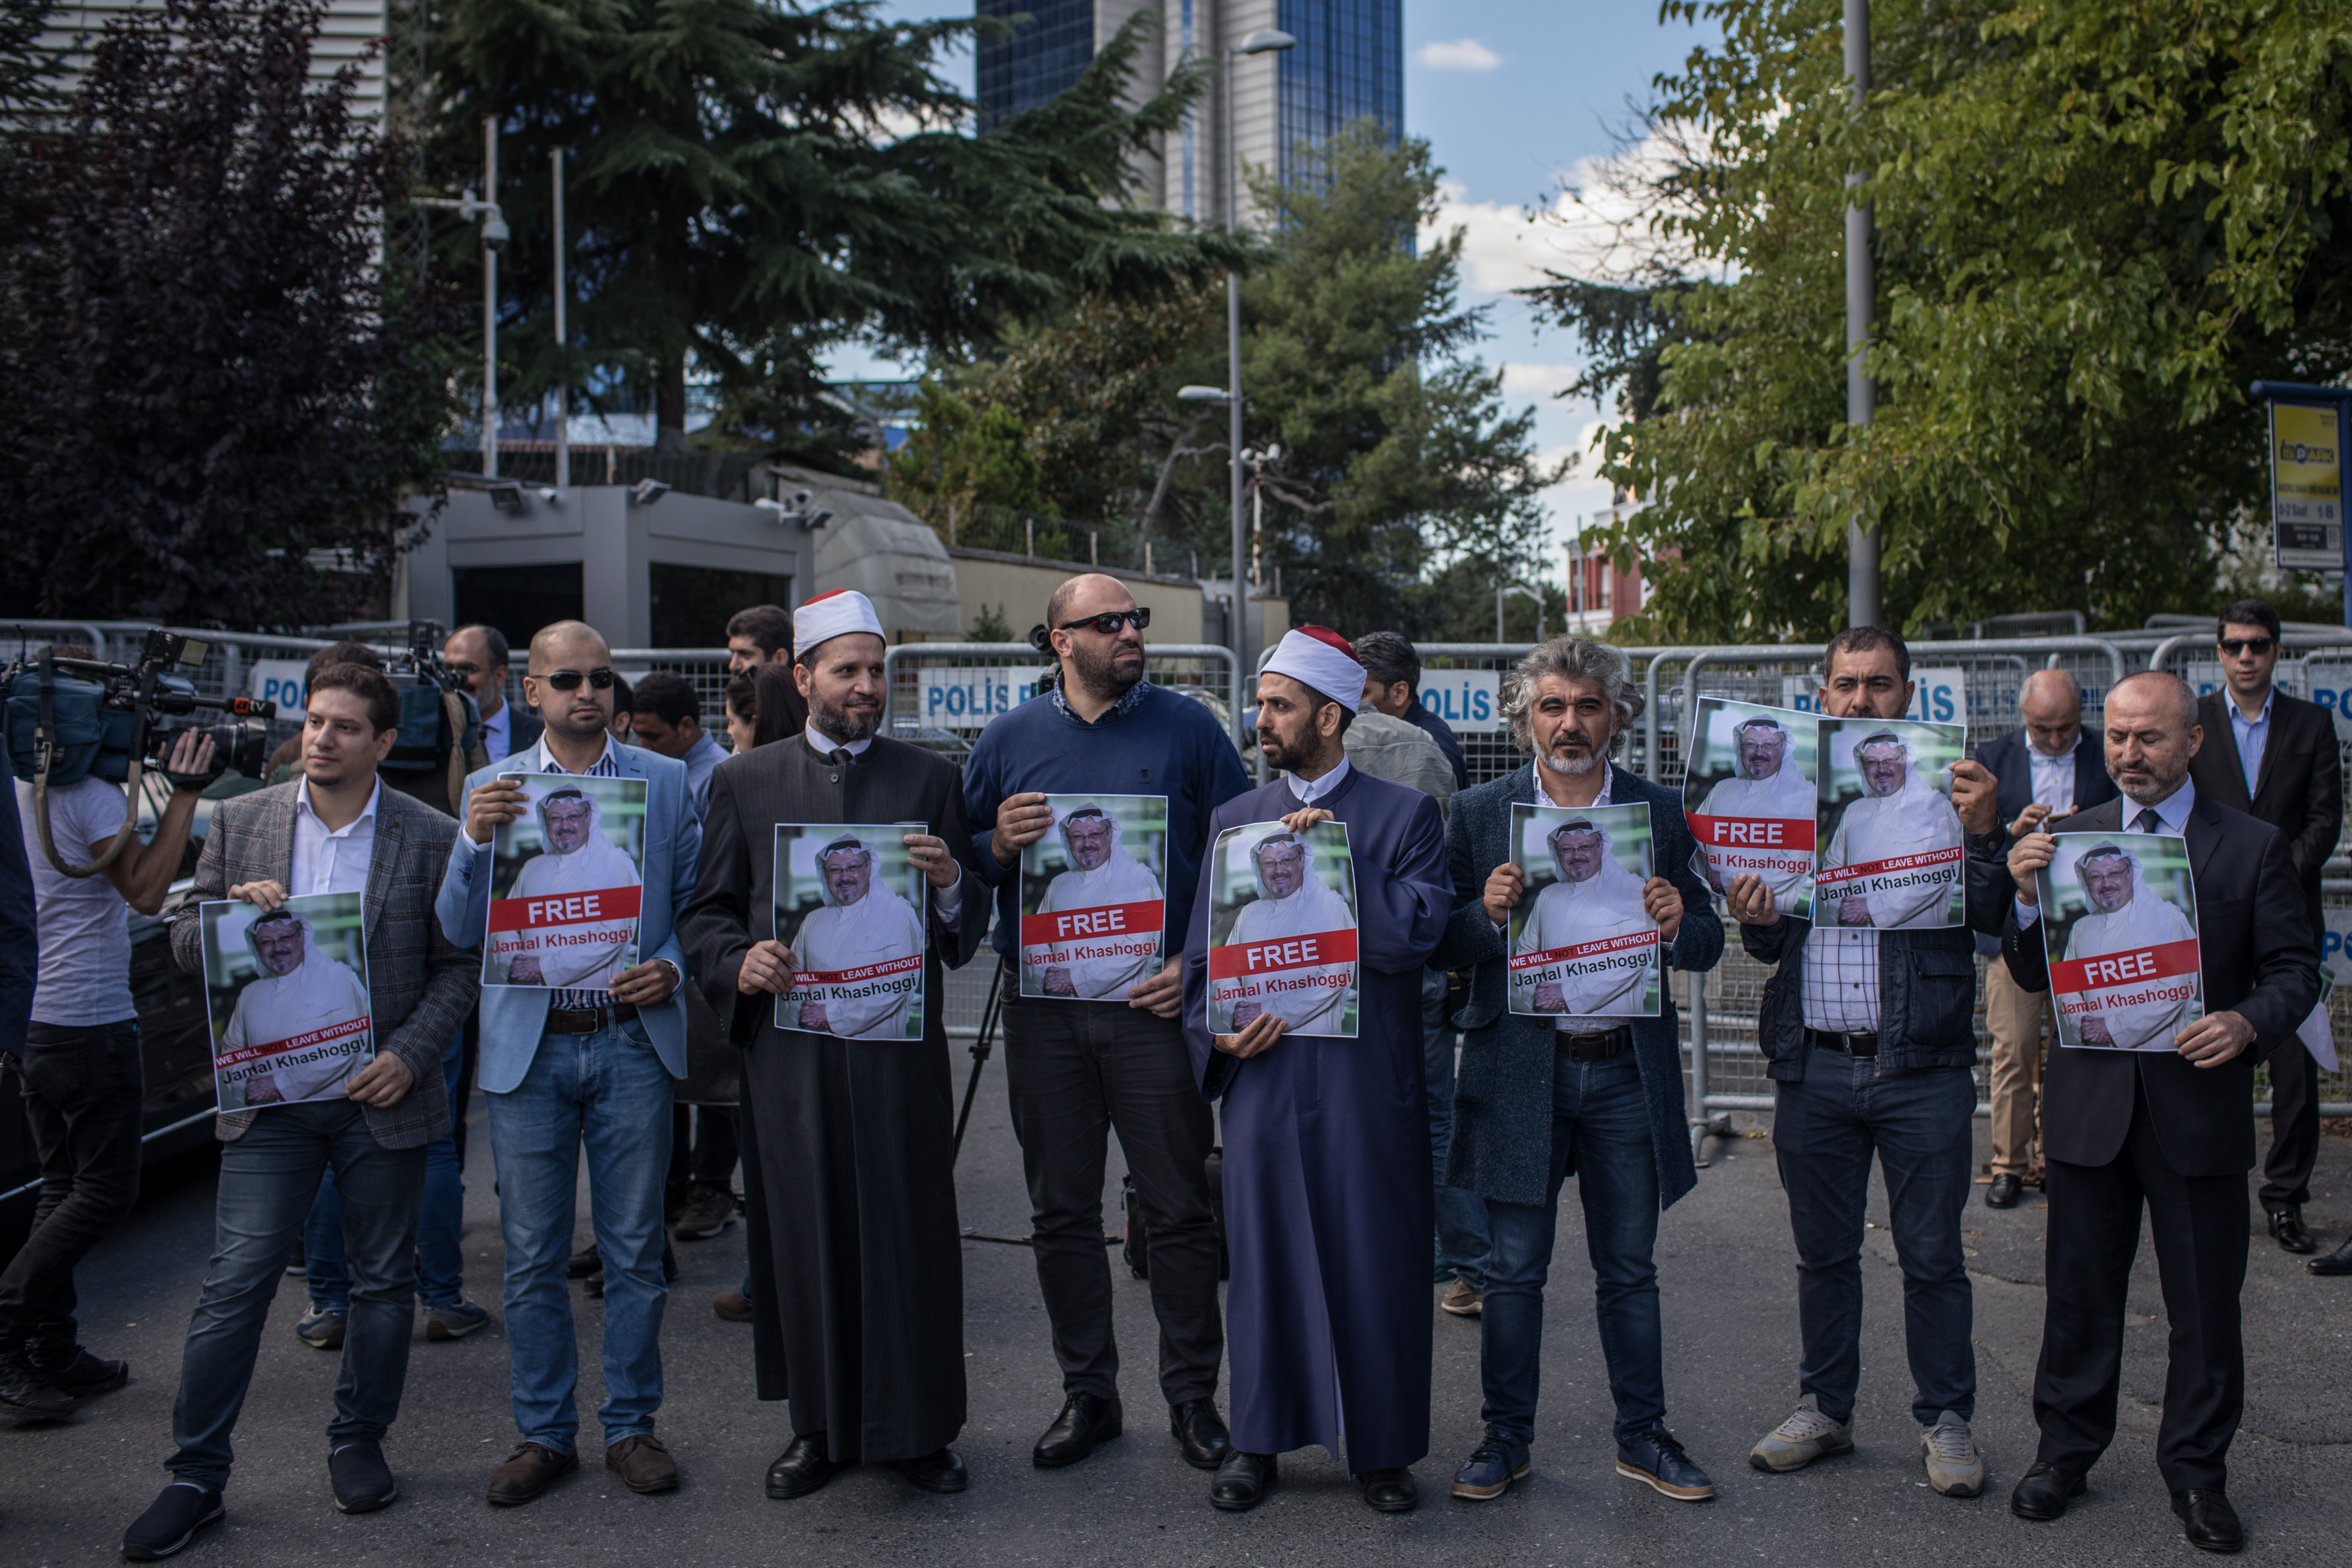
{"points": [[562, 392], [1864, 606], [489, 303]]}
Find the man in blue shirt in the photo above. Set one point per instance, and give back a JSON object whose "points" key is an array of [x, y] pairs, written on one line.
{"points": [[1077, 1068]]}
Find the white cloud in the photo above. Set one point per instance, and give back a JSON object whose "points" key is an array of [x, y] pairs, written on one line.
{"points": [[1537, 380], [1460, 55], [1594, 225]]}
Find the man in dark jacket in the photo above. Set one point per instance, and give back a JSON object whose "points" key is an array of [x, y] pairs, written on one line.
{"points": [[1537, 1096], [1870, 1043], [2274, 758]]}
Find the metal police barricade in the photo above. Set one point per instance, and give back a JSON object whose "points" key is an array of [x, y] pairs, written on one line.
{"points": [[1461, 683]]}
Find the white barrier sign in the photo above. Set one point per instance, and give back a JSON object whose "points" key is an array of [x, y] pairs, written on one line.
{"points": [[968, 697], [1464, 698], [1939, 696], [282, 681]]}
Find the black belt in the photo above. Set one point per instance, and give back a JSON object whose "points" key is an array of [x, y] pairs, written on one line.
{"points": [[1852, 1045], [588, 1020], [1594, 1047]]}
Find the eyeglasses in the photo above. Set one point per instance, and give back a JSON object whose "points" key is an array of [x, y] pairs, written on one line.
{"points": [[570, 679], [458, 666], [2258, 647], [1109, 625]]}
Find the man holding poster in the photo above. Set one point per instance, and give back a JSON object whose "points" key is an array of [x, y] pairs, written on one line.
{"points": [[1291, 950], [1748, 791], [1585, 945], [299, 1028], [2146, 986], [860, 950], [1894, 859]]}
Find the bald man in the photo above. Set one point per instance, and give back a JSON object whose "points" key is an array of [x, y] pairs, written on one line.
{"points": [[2047, 770]]}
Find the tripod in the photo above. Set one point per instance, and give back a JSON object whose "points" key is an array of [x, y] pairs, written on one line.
{"points": [[990, 1017]]}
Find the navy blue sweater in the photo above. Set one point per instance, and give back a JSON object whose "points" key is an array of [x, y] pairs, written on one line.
{"points": [[1165, 744]]}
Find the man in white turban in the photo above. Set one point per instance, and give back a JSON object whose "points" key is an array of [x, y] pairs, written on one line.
{"points": [[576, 859], [300, 992], [2126, 917], [1899, 813], [1292, 901], [1767, 785], [1595, 898], [861, 923], [1103, 875]]}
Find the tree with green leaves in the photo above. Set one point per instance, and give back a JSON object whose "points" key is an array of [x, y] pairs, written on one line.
{"points": [[2096, 222]]}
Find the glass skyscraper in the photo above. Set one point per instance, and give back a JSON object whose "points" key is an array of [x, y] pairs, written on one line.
{"points": [[1046, 54], [1349, 63]]}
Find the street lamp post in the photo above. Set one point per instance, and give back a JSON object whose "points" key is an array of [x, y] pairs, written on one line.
{"points": [[562, 391], [1862, 586], [1264, 41]]}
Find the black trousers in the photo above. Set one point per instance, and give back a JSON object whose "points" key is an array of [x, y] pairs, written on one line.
{"points": [[83, 1090], [2294, 1129], [1074, 1070], [2199, 1224]]}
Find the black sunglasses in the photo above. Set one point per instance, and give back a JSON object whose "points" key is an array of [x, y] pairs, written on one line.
{"points": [[570, 679], [2258, 647], [1109, 625]]}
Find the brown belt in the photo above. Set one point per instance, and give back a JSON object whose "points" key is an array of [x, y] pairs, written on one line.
{"points": [[588, 1020]]}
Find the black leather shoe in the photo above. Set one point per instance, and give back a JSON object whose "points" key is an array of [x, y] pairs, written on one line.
{"points": [[2004, 1190], [2209, 1521], [1085, 1420], [2044, 1491], [1241, 1481], [171, 1522], [1199, 1433], [580, 1264], [1392, 1490], [800, 1469], [940, 1472], [2287, 1229], [363, 1481], [2336, 1262]]}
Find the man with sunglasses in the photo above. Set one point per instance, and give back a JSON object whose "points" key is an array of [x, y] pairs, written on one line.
{"points": [[568, 1069], [2274, 757], [1076, 1068]]}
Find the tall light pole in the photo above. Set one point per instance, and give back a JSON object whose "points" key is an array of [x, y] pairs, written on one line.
{"points": [[1264, 41], [494, 239], [1864, 606], [562, 391]]}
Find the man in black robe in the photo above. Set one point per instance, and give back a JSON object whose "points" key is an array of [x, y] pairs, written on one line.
{"points": [[855, 1249]]}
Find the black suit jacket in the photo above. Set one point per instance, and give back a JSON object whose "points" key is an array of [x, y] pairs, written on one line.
{"points": [[2300, 790], [2260, 960], [2013, 768], [524, 727]]}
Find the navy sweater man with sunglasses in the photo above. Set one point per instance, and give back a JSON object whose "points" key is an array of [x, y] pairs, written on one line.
{"points": [[1077, 1068]]}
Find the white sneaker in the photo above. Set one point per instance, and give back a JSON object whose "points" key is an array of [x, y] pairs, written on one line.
{"points": [[1806, 1435], [1954, 1466]]}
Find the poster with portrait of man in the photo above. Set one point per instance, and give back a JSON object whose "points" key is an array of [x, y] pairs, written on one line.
{"points": [[1282, 929], [849, 905], [1582, 944], [566, 879], [1093, 899], [2119, 917], [287, 997], [1748, 791], [1892, 848]]}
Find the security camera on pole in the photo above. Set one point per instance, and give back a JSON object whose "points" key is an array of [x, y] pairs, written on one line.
{"points": [[494, 239]]}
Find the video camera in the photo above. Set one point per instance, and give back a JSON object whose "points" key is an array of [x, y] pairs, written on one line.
{"points": [[432, 729]]}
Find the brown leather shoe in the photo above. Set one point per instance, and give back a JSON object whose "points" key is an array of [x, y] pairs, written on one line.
{"points": [[530, 1471], [642, 1465], [732, 1305]]}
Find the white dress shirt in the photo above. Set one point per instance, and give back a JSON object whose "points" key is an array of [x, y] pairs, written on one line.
{"points": [[2053, 777], [331, 860], [2171, 816], [1309, 791]]}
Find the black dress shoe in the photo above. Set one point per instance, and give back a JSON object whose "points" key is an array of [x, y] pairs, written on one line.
{"points": [[1391, 1490], [2209, 1521], [2336, 1262], [582, 1263], [2044, 1491], [940, 1472], [2287, 1229], [800, 1469], [1241, 1481], [1199, 1433], [363, 1481], [2004, 1190], [1085, 1420], [172, 1521]]}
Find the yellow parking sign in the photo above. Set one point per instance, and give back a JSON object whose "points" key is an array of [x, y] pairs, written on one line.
{"points": [[2306, 486]]}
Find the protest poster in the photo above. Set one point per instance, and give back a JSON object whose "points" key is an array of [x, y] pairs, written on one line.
{"points": [[1891, 849], [849, 905], [287, 998], [1093, 899], [1581, 941], [566, 879], [2119, 917], [1282, 929], [1748, 791]]}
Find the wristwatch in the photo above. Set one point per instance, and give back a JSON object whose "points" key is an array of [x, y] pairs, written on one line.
{"points": [[676, 976]]}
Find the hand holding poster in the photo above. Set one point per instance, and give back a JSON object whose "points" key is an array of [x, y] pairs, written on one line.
{"points": [[287, 998], [1892, 856], [849, 905], [2119, 914], [1092, 904], [1582, 943], [1282, 929], [566, 879], [1748, 790]]}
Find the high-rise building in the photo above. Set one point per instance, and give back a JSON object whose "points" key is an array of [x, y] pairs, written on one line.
{"points": [[1350, 64]]}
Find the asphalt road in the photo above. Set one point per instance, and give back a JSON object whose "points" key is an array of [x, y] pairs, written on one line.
{"points": [[67, 1492]]}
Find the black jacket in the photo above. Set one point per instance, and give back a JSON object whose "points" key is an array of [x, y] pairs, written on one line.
{"points": [[2260, 961], [2300, 790], [2012, 768]]}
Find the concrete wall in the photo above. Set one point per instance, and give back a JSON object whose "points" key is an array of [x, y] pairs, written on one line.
{"points": [[1021, 585]]}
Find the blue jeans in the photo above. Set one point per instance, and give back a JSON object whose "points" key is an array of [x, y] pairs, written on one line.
{"points": [[440, 1262], [1600, 1128], [268, 1180], [1461, 1212], [609, 1093], [1824, 1130]]}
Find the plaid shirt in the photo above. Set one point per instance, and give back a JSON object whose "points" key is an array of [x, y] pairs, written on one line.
{"points": [[1842, 980], [540, 761]]}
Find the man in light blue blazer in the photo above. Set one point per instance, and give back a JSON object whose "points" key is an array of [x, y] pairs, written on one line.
{"points": [[565, 1069]]}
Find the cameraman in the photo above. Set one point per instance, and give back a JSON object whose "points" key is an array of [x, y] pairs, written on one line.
{"points": [[83, 1082]]}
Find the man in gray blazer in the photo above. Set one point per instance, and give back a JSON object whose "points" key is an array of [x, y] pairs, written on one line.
{"points": [[333, 830]]}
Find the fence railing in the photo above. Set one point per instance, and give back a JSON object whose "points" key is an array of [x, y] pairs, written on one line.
{"points": [[947, 692]]}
